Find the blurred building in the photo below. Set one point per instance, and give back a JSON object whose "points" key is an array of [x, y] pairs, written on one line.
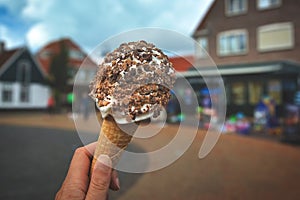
{"points": [[22, 81], [77, 59], [255, 45]]}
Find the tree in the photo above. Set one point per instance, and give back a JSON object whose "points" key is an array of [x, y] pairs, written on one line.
{"points": [[59, 73]]}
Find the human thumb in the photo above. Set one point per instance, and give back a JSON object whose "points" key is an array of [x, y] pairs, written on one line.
{"points": [[100, 179]]}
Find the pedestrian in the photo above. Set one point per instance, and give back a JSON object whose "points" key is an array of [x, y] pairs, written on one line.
{"points": [[51, 104], [85, 106]]}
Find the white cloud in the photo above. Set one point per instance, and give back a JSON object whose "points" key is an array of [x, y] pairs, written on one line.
{"points": [[37, 36], [91, 22], [37, 9]]}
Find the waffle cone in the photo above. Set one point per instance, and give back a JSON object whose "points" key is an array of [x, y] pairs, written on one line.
{"points": [[113, 140]]}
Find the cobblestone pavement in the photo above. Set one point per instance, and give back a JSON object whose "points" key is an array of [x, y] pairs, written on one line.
{"points": [[36, 149]]}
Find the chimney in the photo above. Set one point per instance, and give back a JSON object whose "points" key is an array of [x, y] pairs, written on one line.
{"points": [[2, 47]]}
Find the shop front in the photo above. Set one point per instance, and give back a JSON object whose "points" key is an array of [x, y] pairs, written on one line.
{"points": [[247, 84]]}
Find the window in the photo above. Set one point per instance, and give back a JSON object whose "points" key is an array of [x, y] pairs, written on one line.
{"points": [[267, 4], [238, 93], [7, 93], [77, 55], [202, 48], [255, 89], [23, 73], [274, 88], [277, 36], [24, 93], [233, 42], [24, 76], [46, 54], [235, 7]]}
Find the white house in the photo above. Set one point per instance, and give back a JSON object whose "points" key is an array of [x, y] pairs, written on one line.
{"points": [[22, 82]]}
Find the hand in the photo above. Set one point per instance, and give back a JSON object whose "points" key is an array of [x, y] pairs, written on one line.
{"points": [[79, 186]]}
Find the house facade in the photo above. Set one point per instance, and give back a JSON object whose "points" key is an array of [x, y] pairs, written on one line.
{"points": [[256, 46], [76, 57], [22, 82]]}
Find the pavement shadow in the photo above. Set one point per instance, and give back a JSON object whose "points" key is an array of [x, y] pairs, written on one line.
{"points": [[34, 162]]}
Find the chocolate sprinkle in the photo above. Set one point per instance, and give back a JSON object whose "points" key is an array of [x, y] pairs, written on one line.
{"points": [[135, 78]]}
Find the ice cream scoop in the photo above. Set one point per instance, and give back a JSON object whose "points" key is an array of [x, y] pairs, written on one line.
{"points": [[132, 84]]}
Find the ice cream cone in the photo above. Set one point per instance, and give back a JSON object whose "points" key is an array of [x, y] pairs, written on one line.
{"points": [[113, 139], [132, 84]]}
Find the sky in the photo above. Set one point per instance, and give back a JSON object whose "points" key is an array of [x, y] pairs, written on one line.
{"points": [[35, 23]]}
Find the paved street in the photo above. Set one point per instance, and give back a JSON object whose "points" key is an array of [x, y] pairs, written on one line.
{"points": [[34, 160]]}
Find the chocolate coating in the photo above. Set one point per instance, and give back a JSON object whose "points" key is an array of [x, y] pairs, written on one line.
{"points": [[134, 79]]}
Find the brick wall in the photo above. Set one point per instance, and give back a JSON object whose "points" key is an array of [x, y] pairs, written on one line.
{"points": [[216, 21]]}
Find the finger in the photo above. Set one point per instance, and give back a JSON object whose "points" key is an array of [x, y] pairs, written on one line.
{"points": [[77, 179], [114, 182], [91, 148], [80, 165], [100, 180]]}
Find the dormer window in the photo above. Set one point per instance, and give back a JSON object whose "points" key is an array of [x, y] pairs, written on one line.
{"points": [[235, 7]]}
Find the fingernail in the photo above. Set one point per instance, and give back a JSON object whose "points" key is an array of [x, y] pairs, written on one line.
{"points": [[118, 183], [104, 163]]}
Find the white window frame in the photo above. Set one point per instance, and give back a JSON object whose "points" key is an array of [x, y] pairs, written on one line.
{"points": [[24, 84], [8, 87], [238, 12], [76, 54], [201, 51], [232, 33], [270, 6], [274, 27]]}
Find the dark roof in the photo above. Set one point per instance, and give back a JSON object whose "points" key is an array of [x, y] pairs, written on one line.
{"points": [[6, 55]]}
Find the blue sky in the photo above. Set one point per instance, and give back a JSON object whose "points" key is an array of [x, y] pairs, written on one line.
{"points": [[89, 22]]}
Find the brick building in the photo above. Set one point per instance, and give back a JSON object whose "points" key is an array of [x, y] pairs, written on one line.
{"points": [[76, 56], [256, 46]]}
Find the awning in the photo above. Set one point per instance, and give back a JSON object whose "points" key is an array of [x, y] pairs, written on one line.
{"points": [[253, 68]]}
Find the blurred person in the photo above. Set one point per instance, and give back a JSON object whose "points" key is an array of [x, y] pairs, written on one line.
{"points": [[207, 110], [85, 106], [51, 104], [272, 119], [260, 116], [80, 185], [173, 109]]}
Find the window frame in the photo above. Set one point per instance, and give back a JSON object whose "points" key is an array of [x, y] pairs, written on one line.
{"points": [[235, 13], [7, 87], [275, 90], [233, 32], [275, 27], [271, 6], [243, 96], [202, 52], [254, 96]]}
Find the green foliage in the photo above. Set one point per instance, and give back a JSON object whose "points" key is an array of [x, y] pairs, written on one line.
{"points": [[59, 74], [59, 69]]}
